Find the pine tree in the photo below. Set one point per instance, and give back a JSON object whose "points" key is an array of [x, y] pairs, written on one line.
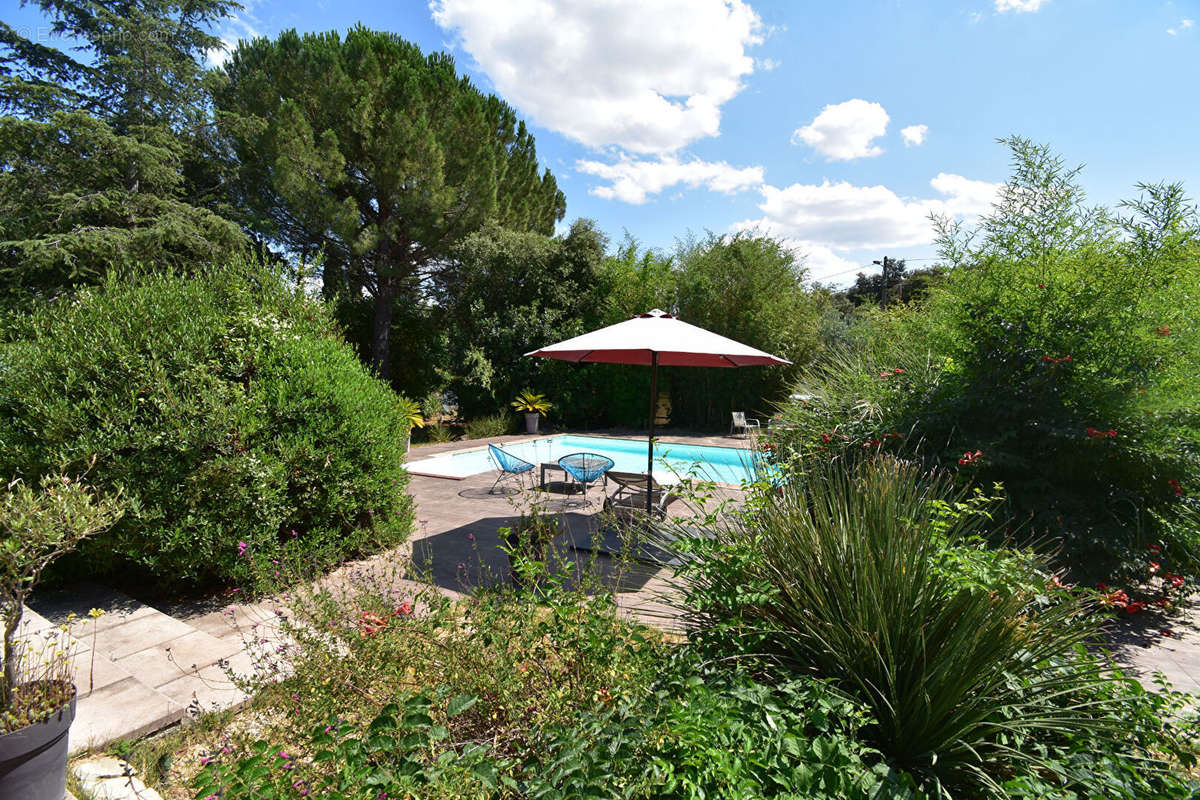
{"points": [[93, 144], [376, 157]]}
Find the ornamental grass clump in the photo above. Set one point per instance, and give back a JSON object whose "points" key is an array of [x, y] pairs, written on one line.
{"points": [[873, 575]]}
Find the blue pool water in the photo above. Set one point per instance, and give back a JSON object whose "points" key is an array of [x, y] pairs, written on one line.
{"points": [[671, 461]]}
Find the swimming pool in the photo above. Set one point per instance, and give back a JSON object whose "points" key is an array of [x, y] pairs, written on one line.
{"points": [[671, 461]]}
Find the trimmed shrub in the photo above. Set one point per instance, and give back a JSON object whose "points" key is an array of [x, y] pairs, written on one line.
{"points": [[228, 410]]}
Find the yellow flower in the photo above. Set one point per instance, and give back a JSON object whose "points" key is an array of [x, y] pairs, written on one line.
{"points": [[96, 613]]}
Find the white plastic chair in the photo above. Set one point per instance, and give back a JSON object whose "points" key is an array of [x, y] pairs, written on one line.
{"points": [[743, 423]]}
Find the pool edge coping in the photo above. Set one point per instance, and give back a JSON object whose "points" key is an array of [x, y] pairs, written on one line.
{"points": [[532, 437]]}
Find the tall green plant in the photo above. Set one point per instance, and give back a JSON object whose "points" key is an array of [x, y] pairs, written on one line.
{"points": [[846, 577]]}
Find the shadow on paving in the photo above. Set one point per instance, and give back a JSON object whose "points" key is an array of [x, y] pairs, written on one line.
{"points": [[470, 556]]}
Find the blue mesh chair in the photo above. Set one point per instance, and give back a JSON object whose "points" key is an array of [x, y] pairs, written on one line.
{"points": [[509, 465], [586, 468]]}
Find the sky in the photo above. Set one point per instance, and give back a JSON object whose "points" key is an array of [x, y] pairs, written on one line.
{"points": [[836, 126]]}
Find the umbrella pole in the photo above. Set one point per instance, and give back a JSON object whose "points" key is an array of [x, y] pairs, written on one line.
{"points": [[650, 443]]}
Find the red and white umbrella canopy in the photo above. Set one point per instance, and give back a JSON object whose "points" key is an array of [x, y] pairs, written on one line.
{"points": [[678, 344]]}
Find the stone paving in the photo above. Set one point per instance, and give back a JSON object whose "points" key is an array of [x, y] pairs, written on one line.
{"points": [[141, 669]]}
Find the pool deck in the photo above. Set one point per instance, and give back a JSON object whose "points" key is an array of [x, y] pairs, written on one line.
{"points": [[458, 522], [426, 451]]}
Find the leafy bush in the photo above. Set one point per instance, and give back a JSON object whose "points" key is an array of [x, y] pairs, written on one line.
{"points": [[1057, 356], [226, 408], [865, 575], [488, 427]]}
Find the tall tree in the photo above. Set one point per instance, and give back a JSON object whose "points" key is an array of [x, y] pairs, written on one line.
{"points": [[93, 142], [506, 292], [378, 157]]}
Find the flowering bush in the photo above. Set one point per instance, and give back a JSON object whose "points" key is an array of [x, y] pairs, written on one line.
{"points": [[1057, 356]]}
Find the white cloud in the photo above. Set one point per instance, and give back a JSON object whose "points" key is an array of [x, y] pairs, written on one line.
{"points": [[845, 131], [233, 29], [1184, 24], [842, 216], [767, 64], [646, 77], [1019, 6], [632, 181], [914, 135], [822, 263]]}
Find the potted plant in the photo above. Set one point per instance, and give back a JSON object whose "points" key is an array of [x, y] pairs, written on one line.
{"points": [[411, 411], [533, 406], [37, 691]]}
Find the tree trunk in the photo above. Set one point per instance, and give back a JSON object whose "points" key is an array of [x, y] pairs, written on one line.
{"points": [[385, 310], [11, 659]]}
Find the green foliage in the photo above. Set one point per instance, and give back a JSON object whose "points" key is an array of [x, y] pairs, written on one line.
{"points": [[94, 148], [498, 424], [506, 293], [227, 409], [747, 287], [529, 402], [866, 575], [376, 155], [390, 758], [38, 528], [1058, 346]]}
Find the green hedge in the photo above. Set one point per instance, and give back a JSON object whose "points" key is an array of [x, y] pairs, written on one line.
{"points": [[227, 407]]}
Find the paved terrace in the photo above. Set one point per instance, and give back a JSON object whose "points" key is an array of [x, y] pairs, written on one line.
{"points": [[140, 669], [156, 666]]}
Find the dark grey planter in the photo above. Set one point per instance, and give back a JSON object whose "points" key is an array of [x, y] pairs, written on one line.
{"points": [[33, 760], [531, 421]]}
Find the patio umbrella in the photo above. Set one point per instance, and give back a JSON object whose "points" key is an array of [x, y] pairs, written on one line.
{"points": [[653, 339]]}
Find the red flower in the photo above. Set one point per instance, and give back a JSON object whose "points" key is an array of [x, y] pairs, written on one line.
{"points": [[1118, 599], [1134, 607], [970, 458], [826, 438], [898, 371], [1041, 286], [885, 374], [1112, 433], [403, 610], [1154, 548], [372, 623], [1175, 487], [1163, 330], [1167, 632], [1153, 568], [1174, 580], [1101, 587]]}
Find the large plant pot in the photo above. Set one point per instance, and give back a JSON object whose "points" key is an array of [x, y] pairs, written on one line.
{"points": [[33, 760], [531, 421]]}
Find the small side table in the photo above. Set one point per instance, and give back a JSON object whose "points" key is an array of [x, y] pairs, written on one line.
{"points": [[549, 465]]}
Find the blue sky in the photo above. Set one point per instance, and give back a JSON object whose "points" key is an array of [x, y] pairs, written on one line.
{"points": [[836, 126]]}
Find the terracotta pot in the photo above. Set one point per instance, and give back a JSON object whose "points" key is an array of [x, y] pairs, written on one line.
{"points": [[33, 760], [531, 421]]}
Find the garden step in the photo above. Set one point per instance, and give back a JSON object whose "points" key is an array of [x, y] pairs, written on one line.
{"points": [[138, 670]]}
